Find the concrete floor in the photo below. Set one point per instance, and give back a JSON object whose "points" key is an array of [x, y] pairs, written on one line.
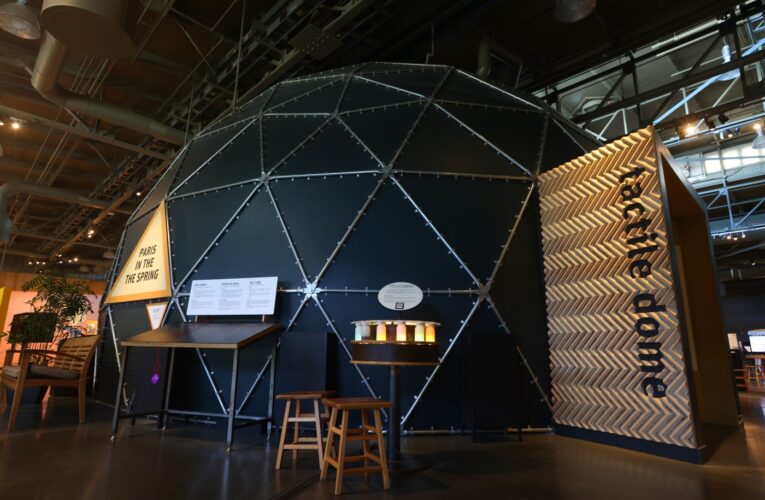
{"points": [[48, 456]]}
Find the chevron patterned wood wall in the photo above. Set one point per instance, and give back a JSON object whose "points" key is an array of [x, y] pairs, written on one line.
{"points": [[616, 350]]}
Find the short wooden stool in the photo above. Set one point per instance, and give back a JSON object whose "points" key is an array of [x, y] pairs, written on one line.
{"points": [[365, 434], [302, 443]]}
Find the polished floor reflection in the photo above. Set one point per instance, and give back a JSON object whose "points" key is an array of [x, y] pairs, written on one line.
{"points": [[49, 456]]}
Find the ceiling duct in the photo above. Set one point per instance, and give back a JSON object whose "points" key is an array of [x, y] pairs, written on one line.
{"points": [[571, 11], [98, 28], [48, 66], [11, 189], [20, 20]]}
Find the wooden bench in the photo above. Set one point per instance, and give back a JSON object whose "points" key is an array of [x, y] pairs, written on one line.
{"points": [[338, 459]]}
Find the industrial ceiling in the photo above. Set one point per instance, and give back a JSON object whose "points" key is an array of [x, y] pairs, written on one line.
{"points": [[195, 60]]}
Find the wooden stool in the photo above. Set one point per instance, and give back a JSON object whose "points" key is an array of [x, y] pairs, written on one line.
{"points": [[302, 443], [365, 434]]}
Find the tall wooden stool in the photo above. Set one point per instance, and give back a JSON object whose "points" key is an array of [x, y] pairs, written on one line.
{"points": [[312, 398], [365, 434]]}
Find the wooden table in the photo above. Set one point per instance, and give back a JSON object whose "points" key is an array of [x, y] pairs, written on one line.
{"points": [[226, 336], [395, 355]]}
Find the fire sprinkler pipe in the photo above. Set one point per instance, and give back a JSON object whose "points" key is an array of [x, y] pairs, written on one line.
{"points": [[10, 189], [48, 66]]}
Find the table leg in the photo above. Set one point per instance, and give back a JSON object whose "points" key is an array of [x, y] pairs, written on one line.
{"points": [[232, 403], [271, 381], [394, 420], [118, 398], [162, 420]]}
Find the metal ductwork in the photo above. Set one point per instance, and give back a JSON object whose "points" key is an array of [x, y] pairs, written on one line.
{"points": [[50, 61], [484, 58], [98, 28], [10, 189]]}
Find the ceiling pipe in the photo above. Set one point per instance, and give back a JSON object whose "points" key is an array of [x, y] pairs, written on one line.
{"points": [[48, 66], [10, 189]]}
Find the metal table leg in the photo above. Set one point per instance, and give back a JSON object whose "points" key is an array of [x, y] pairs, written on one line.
{"points": [[117, 399], [271, 381], [232, 403], [162, 420], [394, 421]]}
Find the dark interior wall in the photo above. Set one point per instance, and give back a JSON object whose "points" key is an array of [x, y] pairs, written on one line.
{"points": [[422, 173]]}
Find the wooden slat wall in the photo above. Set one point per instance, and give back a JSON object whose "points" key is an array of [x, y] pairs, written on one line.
{"points": [[596, 375]]}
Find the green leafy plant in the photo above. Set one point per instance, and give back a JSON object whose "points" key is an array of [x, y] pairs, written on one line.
{"points": [[59, 300], [60, 295]]}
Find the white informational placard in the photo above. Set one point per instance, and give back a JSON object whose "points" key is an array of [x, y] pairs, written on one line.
{"points": [[233, 297], [400, 296], [757, 340], [156, 311]]}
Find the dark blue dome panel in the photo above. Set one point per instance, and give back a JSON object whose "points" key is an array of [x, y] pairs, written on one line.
{"points": [[343, 182]]}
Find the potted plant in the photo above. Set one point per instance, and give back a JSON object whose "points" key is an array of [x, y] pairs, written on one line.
{"points": [[59, 300]]}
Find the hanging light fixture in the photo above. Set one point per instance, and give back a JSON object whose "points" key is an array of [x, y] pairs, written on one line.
{"points": [[20, 20], [728, 75], [571, 11]]}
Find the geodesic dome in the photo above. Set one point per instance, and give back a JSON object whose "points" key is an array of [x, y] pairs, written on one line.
{"points": [[342, 182]]}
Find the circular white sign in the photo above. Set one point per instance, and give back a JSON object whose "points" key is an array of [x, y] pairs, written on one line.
{"points": [[400, 296]]}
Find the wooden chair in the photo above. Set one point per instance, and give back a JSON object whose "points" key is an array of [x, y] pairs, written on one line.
{"points": [[312, 398], [69, 368], [366, 433]]}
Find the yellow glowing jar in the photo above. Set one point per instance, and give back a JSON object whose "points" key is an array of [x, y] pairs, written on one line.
{"points": [[430, 332], [380, 333], [419, 332], [400, 331]]}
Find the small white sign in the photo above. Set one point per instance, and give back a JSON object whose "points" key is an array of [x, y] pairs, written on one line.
{"points": [[156, 312], [733, 341], [235, 296], [400, 296]]}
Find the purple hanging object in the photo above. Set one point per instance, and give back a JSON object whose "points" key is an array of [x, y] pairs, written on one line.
{"points": [[155, 379]]}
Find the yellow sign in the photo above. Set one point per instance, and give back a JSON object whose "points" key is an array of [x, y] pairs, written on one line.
{"points": [[146, 273]]}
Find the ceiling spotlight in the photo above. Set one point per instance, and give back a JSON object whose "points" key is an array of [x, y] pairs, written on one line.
{"points": [[15, 125], [571, 11], [138, 193], [75, 259], [723, 118], [20, 20], [709, 122], [689, 130]]}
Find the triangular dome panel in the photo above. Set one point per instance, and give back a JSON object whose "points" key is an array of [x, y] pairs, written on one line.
{"points": [[336, 204], [238, 161], [460, 87], [362, 93], [291, 90], [332, 149], [422, 81], [202, 149], [160, 189], [323, 99], [385, 130], [523, 145], [440, 144], [474, 216], [282, 135], [258, 222], [193, 225], [381, 246], [559, 147]]}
